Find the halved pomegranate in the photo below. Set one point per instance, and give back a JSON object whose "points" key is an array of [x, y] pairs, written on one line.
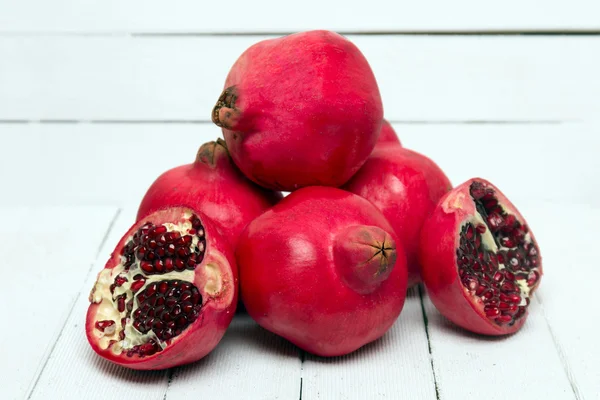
{"points": [[166, 295], [480, 261]]}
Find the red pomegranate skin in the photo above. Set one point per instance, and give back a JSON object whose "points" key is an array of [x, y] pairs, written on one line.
{"points": [[311, 271], [388, 135], [213, 185], [405, 186], [217, 279], [438, 254], [306, 110]]}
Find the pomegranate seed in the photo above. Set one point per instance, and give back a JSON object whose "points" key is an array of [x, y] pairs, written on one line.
{"points": [[179, 264], [533, 278], [137, 285], [196, 298], [162, 287], [121, 303], [152, 244], [141, 252], [200, 233], [102, 325], [159, 266], [504, 318], [479, 291], [171, 249], [508, 286], [120, 280], [508, 242], [147, 267], [160, 230], [187, 308], [491, 312], [503, 306], [498, 276], [150, 290], [495, 221], [183, 252], [169, 264]]}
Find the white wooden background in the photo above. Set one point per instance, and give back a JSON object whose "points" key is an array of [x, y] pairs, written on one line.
{"points": [[98, 97]]}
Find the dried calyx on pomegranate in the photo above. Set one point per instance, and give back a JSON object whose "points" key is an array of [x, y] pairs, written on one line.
{"points": [[213, 185], [494, 262], [170, 281]]}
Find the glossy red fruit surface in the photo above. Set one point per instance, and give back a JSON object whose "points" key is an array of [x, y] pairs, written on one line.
{"points": [[406, 187], [388, 135], [323, 269], [300, 110], [214, 186], [166, 295], [480, 261]]}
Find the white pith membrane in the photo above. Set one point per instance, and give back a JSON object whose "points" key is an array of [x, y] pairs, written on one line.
{"points": [[127, 338], [497, 260]]}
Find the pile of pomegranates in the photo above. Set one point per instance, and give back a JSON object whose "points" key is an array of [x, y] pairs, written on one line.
{"points": [[327, 266]]}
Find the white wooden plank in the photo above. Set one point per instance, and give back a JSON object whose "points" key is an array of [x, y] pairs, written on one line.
{"points": [[569, 288], [454, 78], [395, 367], [74, 371], [115, 164], [249, 363], [269, 15], [47, 253]]}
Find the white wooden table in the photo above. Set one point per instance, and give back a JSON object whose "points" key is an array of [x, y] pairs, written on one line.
{"points": [[98, 97]]}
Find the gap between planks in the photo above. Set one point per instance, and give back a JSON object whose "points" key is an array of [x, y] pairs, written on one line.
{"points": [[44, 363], [561, 354], [492, 32]]}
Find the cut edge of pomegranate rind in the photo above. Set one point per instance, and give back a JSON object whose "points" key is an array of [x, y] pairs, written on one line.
{"points": [[136, 311], [497, 258]]}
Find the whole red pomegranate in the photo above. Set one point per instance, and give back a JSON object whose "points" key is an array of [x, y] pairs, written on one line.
{"points": [[166, 295], [480, 261], [322, 269], [300, 110], [214, 186], [406, 187], [388, 135]]}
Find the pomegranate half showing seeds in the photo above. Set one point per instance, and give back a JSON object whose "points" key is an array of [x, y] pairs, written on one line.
{"points": [[166, 295], [480, 261]]}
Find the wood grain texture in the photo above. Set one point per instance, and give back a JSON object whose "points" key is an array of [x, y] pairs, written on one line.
{"points": [[74, 371], [114, 164], [45, 260], [273, 16], [422, 78], [397, 366], [567, 296]]}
